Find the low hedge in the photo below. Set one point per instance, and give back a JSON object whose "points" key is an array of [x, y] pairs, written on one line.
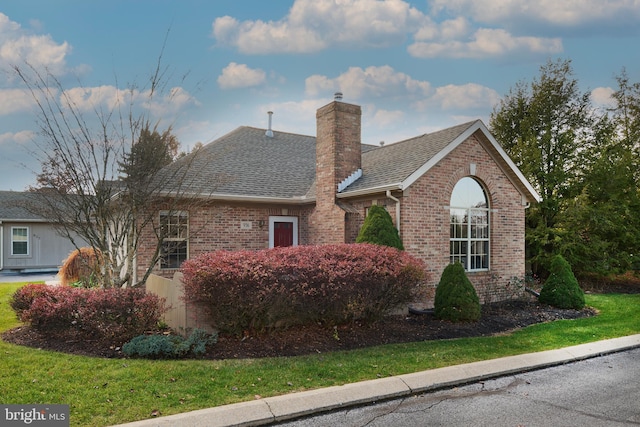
{"points": [[274, 288], [118, 314]]}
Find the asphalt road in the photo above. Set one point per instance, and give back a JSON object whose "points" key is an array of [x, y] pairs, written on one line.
{"points": [[603, 391]]}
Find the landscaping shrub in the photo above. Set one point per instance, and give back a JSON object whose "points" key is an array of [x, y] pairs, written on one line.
{"points": [[456, 298], [561, 289], [378, 229], [117, 314], [279, 287], [81, 268], [169, 346], [22, 299]]}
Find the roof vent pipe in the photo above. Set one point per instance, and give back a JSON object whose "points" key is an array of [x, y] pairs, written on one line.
{"points": [[337, 96], [269, 132]]}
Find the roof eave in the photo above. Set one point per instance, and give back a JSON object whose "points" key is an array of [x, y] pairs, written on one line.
{"points": [[371, 190], [297, 200]]}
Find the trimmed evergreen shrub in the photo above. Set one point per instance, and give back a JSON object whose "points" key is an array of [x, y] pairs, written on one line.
{"points": [[281, 287], [169, 346], [456, 298], [561, 289], [378, 229]]}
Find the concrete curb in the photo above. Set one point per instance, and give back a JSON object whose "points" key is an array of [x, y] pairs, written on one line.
{"points": [[295, 405]]}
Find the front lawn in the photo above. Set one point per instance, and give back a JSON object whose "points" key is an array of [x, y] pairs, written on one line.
{"points": [[104, 392]]}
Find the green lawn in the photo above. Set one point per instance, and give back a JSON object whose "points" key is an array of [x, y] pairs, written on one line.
{"points": [[104, 392]]}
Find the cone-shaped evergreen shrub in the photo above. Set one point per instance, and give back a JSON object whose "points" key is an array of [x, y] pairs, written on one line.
{"points": [[378, 229], [561, 288], [456, 298]]}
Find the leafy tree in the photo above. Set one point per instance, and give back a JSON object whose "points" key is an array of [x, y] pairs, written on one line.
{"points": [[378, 229], [545, 128], [150, 153], [456, 298], [601, 228], [561, 288], [99, 179]]}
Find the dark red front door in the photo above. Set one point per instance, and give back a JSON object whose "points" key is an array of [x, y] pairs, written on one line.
{"points": [[282, 234]]}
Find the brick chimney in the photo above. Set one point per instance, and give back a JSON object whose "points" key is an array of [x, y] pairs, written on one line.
{"points": [[338, 155]]}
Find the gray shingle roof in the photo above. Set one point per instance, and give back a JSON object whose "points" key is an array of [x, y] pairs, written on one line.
{"points": [[247, 163], [12, 206], [394, 163]]}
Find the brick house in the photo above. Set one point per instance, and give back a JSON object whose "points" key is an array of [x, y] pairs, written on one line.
{"points": [[454, 195]]}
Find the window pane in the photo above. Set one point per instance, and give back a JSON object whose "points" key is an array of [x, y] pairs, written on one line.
{"points": [[175, 231], [469, 225], [20, 241], [468, 194]]}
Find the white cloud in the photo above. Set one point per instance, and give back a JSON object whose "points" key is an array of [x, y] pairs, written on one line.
{"points": [[18, 46], [386, 118], [464, 97], [315, 25], [20, 138], [15, 101], [486, 43], [603, 97], [370, 82], [565, 13], [110, 98], [240, 75]]}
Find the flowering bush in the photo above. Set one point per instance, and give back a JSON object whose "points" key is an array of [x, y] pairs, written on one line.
{"points": [[118, 314], [300, 285]]}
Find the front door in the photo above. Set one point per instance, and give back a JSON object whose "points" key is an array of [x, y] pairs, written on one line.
{"points": [[282, 234]]}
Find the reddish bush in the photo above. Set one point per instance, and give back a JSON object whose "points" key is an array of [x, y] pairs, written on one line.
{"points": [[23, 297], [299, 285], [118, 314]]}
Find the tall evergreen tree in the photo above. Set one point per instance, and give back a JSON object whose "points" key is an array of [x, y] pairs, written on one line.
{"points": [[544, 127]]}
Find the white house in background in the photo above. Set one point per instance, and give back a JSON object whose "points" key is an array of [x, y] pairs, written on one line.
{"points": [[28, 242]]}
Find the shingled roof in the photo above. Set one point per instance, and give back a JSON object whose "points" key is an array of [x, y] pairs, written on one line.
{"points": [[246, 164], [12, 207]]}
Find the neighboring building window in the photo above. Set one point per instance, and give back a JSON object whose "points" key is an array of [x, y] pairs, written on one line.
{"points": [[469, 225], [19, 240], [174, 227]]}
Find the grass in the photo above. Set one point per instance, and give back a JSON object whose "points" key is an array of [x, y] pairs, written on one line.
{"points": [[104, 392]]}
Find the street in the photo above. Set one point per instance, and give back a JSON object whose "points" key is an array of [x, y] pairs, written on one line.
{"points": [[603, 391]]}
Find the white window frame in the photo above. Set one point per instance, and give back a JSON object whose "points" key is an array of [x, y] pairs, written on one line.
{"points": [[26, 239], [177, 239], [291, 219], [469, 239]]}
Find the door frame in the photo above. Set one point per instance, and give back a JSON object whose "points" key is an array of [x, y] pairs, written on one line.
{"points": [[292, 219]]}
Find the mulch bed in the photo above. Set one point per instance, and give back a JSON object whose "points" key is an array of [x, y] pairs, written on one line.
{"points": [[496, 318]]}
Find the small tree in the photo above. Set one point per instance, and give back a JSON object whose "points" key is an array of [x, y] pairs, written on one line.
{"points": [[100, 179], [378, 229], [561, 288], [456, 298]]}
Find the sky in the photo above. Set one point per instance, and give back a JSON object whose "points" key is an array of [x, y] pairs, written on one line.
{"points": [[413, 66]]}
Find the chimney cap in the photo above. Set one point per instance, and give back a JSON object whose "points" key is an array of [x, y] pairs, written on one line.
{"points": [[337, 96]]}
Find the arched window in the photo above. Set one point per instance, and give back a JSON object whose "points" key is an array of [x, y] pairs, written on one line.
{"points": [[469, 225]]}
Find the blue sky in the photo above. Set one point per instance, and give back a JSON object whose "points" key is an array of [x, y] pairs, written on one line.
{"points": [[413, 66]]}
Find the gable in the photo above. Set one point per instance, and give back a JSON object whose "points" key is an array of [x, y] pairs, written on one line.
{"points": [[398, 166]]}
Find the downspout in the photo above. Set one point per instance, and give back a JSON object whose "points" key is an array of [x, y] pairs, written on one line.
{"points": [[389, 196]]}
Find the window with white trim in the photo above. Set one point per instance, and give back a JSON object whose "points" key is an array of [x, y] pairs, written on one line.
{"points": [[174, 227], [19, 240], [469, 225]]}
